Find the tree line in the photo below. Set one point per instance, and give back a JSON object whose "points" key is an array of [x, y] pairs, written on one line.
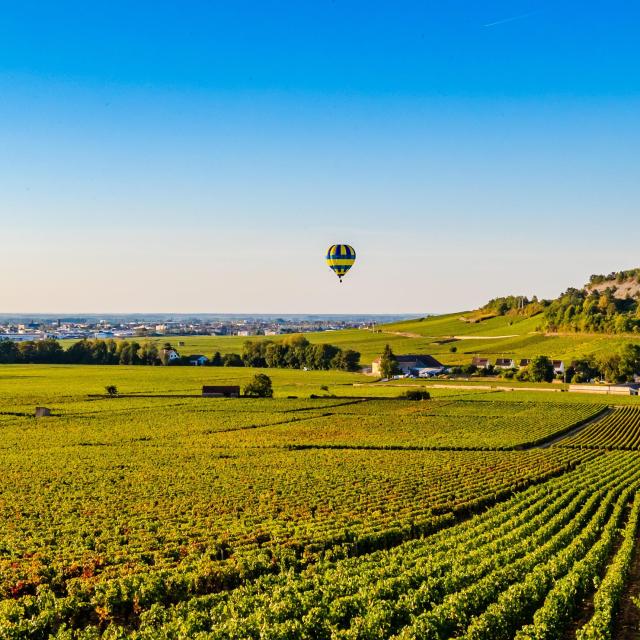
{"points": [[294, 352], [580, 310], [50, 351], [593, 311], [621, 365]]}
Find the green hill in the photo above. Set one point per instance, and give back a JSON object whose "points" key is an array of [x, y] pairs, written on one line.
{"points": [[597, 318]]}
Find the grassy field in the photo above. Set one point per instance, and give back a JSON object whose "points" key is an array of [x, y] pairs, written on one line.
{"points": [[161, 514]]}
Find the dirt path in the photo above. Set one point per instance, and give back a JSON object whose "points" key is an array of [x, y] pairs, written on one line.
{"points": [[627, 626], [405, 334], [483, 387], [584, 611]]}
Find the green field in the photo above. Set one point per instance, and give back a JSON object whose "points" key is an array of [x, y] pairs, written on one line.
{"points": [[493, 338], [161, 514]]}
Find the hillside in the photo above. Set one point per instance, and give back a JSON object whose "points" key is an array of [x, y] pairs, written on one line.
{"points": [[595, 319]]}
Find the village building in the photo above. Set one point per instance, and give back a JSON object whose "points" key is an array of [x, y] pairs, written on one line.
{"points": [[416, 365], [221, 391], [558, 366], [505, 363], [170, 354], [198, 360], [524, 363], [481, 363]]}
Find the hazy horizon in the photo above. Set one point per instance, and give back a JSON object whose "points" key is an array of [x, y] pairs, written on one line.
{"points": [[204, 157]]}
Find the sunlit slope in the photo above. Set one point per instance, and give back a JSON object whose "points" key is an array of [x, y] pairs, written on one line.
{"points": [[448, 338], [454, 324]]}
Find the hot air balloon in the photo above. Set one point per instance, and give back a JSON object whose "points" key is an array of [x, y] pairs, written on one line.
{"points": [[340, 258]]}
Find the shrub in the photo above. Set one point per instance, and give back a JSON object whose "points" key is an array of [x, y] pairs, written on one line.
{"points": [[417, 394], [111, 390], [259, 387]]}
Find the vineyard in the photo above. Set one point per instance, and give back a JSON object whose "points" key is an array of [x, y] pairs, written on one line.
{"points": [[618, 430], [454, 423], [337, 518]]}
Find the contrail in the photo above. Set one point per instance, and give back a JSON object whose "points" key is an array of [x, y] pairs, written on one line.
{"points": [[505, 20]]}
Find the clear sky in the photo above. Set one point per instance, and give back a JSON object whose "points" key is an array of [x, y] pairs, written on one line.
{"points": [[201, 156]]}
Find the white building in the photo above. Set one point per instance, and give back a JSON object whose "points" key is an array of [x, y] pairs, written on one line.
{"points": [[422, 365]]}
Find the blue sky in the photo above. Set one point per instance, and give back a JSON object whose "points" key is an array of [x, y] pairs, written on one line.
{"points": [[200, 156]]}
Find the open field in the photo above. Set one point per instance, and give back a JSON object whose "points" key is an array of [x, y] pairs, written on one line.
{"points": [[161, 514]]}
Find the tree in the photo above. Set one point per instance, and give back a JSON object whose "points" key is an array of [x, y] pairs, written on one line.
{"points": [[629, 361], [320, 356], [79, 352], [99, 353], [216, 361], [417, 394], [232, 360], [148, 353], [275, 355], [253, 353], [9, 352], [111, 390], [622, 365], [388, 363], [259, 387], [583, 370], [348, 360], [296, 340], [540, 369]]}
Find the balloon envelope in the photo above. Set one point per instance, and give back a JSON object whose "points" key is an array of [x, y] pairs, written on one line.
{"points": [[340, 258]]}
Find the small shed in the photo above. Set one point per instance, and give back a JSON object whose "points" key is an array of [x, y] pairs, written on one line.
{"points": [[43, 412], [221, 391]]}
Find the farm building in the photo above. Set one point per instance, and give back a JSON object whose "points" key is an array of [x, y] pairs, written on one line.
{"points": [[630, 389], [524, 363], [505, 363], [422, 365], [481, 363], [198, 360], [221, 391]]}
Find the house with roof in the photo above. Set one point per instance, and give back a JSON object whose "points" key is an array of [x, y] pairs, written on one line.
{"points": [[505, 363], [413, 364], [524, 363], [481, 363], [558, 366], [169, 356], [198, 360]]}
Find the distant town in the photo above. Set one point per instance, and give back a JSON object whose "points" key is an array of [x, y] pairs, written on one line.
{"points": [[40, 327]]}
